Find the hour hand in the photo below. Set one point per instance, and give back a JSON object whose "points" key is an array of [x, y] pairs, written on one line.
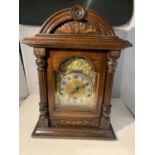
{"points": [[74, 90], [77, 89]]}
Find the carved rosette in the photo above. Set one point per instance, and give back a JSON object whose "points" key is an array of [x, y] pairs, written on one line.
{"points": [[106, 109], [77, 12], [40, 53]]}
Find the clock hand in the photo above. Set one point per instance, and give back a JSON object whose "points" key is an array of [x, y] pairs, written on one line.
{"points": [[78, 88], [74, 90]]}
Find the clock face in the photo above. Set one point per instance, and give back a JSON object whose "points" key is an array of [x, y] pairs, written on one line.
{"points": [[76, 87]]}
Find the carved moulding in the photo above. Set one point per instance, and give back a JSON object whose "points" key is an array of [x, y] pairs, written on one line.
{"points": [[74, 123], [78, 27]]}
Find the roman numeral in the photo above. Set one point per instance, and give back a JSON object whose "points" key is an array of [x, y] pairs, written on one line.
{"points": [[64, 82]]}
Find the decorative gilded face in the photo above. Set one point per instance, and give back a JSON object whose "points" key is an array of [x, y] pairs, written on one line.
{"points": [[76, 85]]}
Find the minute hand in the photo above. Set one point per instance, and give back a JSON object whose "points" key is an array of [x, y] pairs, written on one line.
{"points": [[77, 89]]}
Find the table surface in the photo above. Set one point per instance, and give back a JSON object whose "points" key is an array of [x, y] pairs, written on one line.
{"points": [[121, 119]]}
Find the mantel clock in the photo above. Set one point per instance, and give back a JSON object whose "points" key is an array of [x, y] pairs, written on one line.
{"points": [[76, 54]]}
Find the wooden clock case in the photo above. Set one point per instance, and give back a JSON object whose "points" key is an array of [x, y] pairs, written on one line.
{"points": [[80, 33]]}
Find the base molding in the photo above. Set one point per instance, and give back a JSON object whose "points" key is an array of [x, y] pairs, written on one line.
{"points": [[72, 132]]}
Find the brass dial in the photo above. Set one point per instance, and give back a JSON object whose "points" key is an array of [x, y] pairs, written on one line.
{"points": [[76, 85]]}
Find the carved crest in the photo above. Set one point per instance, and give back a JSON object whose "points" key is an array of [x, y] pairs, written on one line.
{"points": [[78, 27]]}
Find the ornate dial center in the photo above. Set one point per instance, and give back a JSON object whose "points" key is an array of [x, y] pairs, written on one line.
{"points": [[76, 86]]}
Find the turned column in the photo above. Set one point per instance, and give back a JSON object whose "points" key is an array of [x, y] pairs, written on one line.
{"points": [[106, 109], [41, 62]]}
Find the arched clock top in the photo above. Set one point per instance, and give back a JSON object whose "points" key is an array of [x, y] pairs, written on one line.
{"points": [[77, 28], [76, 20]]}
